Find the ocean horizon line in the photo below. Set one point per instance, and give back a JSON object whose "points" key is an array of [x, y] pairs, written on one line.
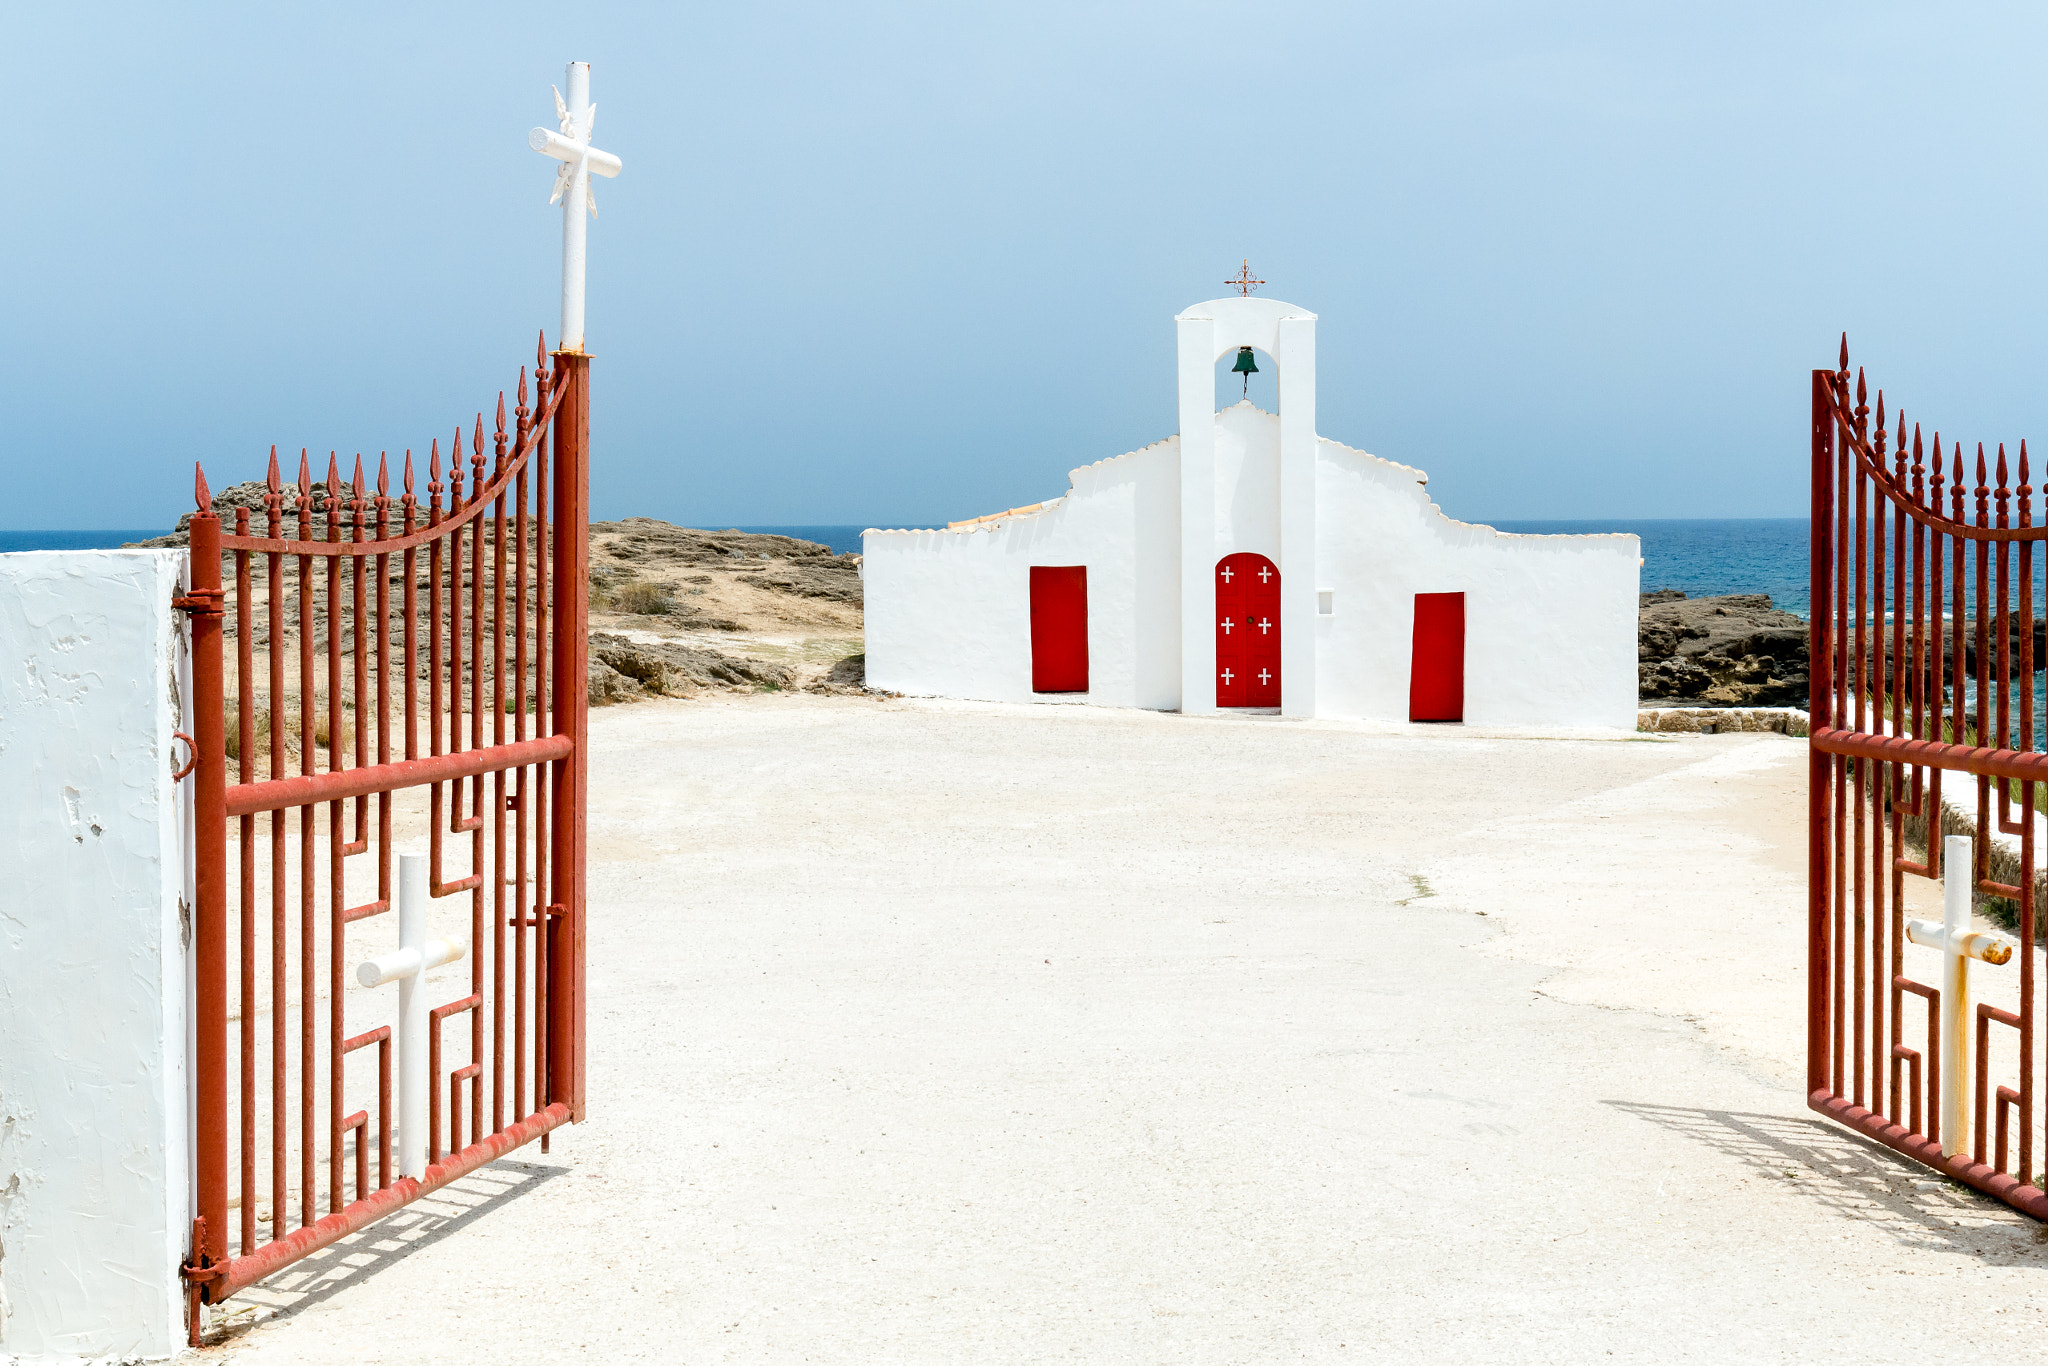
{"points": [[723, 525]]}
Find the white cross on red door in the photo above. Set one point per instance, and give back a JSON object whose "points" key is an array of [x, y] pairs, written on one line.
{"points": [[1247, 666]]}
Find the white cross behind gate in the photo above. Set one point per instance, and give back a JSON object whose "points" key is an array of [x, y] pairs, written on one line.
{"points": [[1958, 944], [571, 146], [407, 965]]}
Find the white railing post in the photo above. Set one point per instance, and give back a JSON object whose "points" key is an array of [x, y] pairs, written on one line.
{"points": [[407, 965], [574, 223], [1957, 872], [571, 146]]}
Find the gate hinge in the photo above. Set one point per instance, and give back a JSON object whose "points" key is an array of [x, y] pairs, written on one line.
{"points": [[199, 602], [200, 1270]]}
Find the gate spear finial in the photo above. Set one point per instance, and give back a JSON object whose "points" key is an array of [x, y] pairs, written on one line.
{"points": [[203, 494]]}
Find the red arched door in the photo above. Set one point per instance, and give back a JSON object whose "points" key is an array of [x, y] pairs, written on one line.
{"points": [[1247, 632]]}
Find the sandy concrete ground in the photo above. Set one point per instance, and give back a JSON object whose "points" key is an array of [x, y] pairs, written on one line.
{"points": [[940, 1032]]}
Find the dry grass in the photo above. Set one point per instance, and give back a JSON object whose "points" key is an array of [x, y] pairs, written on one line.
{"points": [[260, 727], [644, 599]]}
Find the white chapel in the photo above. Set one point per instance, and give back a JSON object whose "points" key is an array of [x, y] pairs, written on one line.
{"points": [[1251, 564]]}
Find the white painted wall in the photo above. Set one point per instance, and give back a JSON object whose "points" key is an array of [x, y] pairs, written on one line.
{"points": [[94, 1148], [949, 612], [1550, 620]]}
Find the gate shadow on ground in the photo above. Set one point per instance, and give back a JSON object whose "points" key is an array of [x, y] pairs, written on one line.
{"points": [[1860, 1179], [306, 1283]]}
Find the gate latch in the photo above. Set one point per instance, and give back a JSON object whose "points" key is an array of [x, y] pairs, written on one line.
{"points": [[201, 1271]]}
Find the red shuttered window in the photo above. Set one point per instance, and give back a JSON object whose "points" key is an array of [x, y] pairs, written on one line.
{"points": [[1436, 677], [1059, 628]]}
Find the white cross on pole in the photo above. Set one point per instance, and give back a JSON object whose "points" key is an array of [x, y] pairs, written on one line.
{"points": [[571, 146], [1958, 944], [407, 965]]}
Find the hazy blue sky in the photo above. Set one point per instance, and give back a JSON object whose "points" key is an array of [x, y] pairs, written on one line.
{"points": [[893, 264]]}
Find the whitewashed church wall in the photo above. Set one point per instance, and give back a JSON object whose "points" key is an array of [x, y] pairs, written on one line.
{"points": [[94, 1147], [1247, 483], [949, 612], [1550, 621]]}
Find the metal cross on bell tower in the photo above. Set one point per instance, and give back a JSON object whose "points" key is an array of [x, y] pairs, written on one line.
{"points": [[1243, 282], [571, 146]]}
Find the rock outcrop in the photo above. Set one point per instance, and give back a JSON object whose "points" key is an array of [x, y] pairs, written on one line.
{"points": [[625, 670], [673, 610], [1733, 651], [1741, 651]]}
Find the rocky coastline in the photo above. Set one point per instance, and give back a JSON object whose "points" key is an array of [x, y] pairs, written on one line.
{"points": [[677, 610], [1737, 650]]}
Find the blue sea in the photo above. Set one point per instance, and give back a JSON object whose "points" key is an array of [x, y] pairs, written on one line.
{"points": [[1700, 558], [1703, 558], [72, 540]]}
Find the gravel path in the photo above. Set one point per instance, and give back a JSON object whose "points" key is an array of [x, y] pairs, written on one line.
{"points": [[947, 1032]]}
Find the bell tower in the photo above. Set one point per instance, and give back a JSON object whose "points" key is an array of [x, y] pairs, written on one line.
{"points": [[1287, 333]]}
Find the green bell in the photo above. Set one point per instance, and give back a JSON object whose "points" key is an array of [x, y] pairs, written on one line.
{"points": [[1245, 366]]}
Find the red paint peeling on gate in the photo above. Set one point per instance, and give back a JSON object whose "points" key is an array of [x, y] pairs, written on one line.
{"points": [[406, 644], [1922, 660], [1247, 631]]}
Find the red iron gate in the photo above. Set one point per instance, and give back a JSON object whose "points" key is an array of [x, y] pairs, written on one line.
{"points": [[1922, 665], [454, 705]]}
